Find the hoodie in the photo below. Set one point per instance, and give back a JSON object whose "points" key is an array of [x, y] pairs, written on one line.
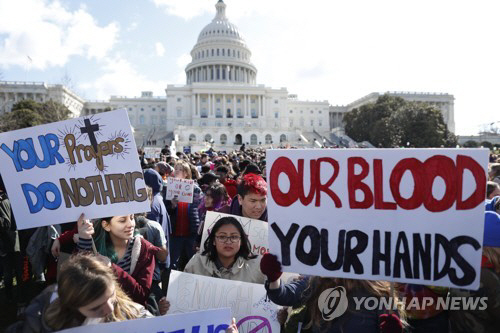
{"points": [[158, 211]]}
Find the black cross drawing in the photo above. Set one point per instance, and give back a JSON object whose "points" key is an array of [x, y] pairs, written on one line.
{"points": [[90, 129]]}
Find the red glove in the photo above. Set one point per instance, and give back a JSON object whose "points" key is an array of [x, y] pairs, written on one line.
{"points": [[390, 323], [270, 267]]}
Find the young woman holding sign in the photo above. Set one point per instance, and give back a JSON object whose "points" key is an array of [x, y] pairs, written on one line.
{"points": [[308, 292], [227, 254], [86, 293], [185, 220], [132, 257]]}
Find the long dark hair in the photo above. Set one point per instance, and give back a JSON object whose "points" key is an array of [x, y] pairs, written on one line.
{"points": [[245, 248]]}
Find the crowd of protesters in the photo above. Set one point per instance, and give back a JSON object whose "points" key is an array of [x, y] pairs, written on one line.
{"points": [[117, 267]]}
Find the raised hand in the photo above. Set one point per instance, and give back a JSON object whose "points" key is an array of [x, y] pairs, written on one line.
{"points": [[85, 227]]}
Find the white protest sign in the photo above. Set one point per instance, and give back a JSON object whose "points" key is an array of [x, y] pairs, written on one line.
{"points": [[256, 231], [407, 215], [190, 292], [209, 321], [180, 188], [150, 152], [55, 172]]}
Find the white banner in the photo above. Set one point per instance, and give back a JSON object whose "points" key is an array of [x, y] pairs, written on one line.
{"points": [[209, 321], [180, 188], [256, 230], [55, 172], [406, 215], [150, 152], [190, 292]]}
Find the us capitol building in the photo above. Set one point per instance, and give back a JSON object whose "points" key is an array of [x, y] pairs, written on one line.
{"points": [[221, 103]]}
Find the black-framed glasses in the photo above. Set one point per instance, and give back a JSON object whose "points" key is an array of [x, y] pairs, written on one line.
{"points": [[224, 239]]}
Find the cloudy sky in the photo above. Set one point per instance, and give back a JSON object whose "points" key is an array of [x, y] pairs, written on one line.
{"points": [[321, 50]]}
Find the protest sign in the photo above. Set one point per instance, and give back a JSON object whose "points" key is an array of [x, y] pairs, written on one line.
{"points": [[406, 215], [150, 152], [191, 292], [55, 172], [209, 321], [180, 188], [256, 231]]}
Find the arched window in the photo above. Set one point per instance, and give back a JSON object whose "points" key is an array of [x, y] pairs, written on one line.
{"points": [[268, 139], [208, 138], [141, 120], [192, 137], [223, 139], [238, 140], [282, 138], [229, 114], [253, 139]]}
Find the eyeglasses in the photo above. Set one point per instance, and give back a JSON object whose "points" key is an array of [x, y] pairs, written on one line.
{"points": [[223, 239]]}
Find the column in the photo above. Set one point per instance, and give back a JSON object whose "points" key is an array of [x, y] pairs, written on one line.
{"points": [[224, 105], [235, 114], [249, 106], [261, 105], [245, 106], [198, 104], [209, 103], [213, 104], [193, 104]]}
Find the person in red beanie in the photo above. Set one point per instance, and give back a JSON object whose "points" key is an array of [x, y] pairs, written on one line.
{"points": [[307, 291], [251, 200]]}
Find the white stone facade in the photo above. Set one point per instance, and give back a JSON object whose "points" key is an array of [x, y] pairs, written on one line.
{"points": [[444, 102], [12, 92]]}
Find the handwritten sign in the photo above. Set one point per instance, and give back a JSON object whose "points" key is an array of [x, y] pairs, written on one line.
{"points": [[256, 230], [55, 172], [190, 292], [406, 215], [209, 321], [150, 152], [180, 188]]}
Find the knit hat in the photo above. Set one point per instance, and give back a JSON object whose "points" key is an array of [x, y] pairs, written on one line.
{"points": [[491, 229], [490, 204]]}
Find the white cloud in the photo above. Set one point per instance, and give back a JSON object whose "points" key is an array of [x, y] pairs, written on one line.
{"points": [[182, 61], [132, 26], [50, 34], [160, 49], [120, 78], [185, 9]]}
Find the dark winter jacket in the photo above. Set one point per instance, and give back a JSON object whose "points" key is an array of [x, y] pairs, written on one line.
{"points": [[296, 294], [32, 317], [9, 241], [158, 211]]}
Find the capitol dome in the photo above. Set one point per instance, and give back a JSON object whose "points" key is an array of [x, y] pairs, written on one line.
{"points": [[221, 54]]}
